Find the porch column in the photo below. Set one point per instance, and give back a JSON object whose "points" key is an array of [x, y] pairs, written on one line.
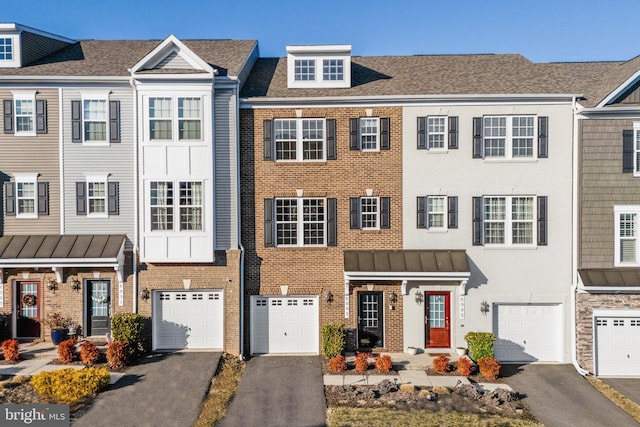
{"points": [[346, 298]]}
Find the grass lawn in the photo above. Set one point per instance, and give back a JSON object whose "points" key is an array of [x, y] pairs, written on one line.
{"points": [[365, 417]]}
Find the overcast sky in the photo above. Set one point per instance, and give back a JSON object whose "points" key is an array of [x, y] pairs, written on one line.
{"points": [[543, 31]]}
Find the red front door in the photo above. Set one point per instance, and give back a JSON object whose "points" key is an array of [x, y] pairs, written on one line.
{"points": [[28, 309], [437, 330]]}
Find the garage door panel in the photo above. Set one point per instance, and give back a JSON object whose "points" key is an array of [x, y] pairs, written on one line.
{"points": [[617, 343]]}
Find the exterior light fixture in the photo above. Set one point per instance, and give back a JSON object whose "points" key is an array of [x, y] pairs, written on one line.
{"points": [[393, 297], [419, 297], [484, 307], [328, 296], [145, 294], [52, 285], [75, 285]]}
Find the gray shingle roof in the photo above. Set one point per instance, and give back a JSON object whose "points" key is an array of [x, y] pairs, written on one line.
{"points": [[100, 58]]}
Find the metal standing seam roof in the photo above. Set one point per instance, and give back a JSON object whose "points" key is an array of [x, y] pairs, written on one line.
{"points": [[610, 277], [406, 261], [69, 246]]}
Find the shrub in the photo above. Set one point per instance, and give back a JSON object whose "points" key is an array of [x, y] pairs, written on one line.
{"points": [[10, 349], [70, 385], [362, 362], [129, 327], [480, 344], [441, 364], [117, 354], [383, 363], [489, 368], [67, 350], [89, 353], [337, 364], [333, 339], [464, 366]]}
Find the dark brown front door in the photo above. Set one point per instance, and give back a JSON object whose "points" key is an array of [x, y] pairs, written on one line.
{"points": [[28, 309], [98, 299], [438, 333], [370, 325]]}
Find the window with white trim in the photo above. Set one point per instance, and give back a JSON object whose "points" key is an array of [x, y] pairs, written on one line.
{"points": [[305, 69], [26, 199], [636, 149], [370, 211], [509, 220], [6, 49], [369, 132], [189, 204], [332, 69], [300, 222], [436, 132], [299, 139], [94, 119], [175, 118], [626, 238], [25, 112], [436, 212], [509, 136], [96, 198]]}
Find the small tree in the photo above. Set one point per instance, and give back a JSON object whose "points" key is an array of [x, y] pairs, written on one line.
{"points": [[480, 344]]}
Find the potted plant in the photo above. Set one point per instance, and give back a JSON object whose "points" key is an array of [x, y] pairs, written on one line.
{"points": [[59, 326]]}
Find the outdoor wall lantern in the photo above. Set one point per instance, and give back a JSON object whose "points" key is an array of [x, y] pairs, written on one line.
{"points": [[393, 297], [145, 294], [75, 285], [52, 285], [484, 307], [419, 297], [328, 296]]}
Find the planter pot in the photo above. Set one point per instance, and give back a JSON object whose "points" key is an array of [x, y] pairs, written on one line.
{"points": [[58, 335], [412, 350], [461, 351]]}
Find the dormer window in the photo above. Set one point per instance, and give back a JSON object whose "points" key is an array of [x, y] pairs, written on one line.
{"points": [[6, 49], [319, 66]]}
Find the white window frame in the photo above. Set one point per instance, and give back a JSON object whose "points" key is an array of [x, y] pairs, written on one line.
{"points": [[509, 137], [19, 96], [431, 133], [97, 179], [175, 117], [431, 212], [91, 97], [620, 210], [3, 53], [16, 55], [636, 149], [374, 214], [508, 221], [30, 179], [169, 208], [332, 67], [177, 208], [305, 70], [362, 134], [300, 140], [299, 221], [188, 195]]}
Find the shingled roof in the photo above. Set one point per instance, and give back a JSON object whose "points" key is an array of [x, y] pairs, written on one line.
{"points": [[104, 58]]}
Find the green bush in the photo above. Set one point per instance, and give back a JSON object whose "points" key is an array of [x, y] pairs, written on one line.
{"points": [[129, 327], [334, 338], [70, 385], [480, 344]]}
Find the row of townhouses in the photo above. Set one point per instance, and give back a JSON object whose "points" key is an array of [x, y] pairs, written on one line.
{"points": [[242, 202]]}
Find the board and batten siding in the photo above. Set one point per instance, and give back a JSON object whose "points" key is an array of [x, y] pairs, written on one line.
{"points": [[33, 154], [225, 190], [115, 159], [602, 186]]}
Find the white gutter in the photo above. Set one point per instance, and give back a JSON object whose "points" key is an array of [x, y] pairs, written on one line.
{"points": [[574, 252], [136, 202], [60, 157], [239, 213]]}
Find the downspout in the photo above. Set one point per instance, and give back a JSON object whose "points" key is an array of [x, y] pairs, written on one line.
{"points": [[135, 196], [239, 213], [575, 242], [61, 156]]}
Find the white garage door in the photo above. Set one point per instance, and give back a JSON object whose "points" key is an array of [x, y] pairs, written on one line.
{"points": [[618, 346], [187, 319], [284, 325], [528, 333]]}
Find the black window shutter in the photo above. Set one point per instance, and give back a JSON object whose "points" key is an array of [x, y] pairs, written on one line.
{"points": [[331, 139], [267, 140], [76, 122], [385, 212], [354, 133], [422, 133], [422, 212], [385, 136], [542, 220], [43, 198], [10, 198], [8, 115], [477, 221], [543, 137], [332, 222], [41, 116], [627, 151], [354, 212], [269, 223], [453, 133], [113, 198], [81, 198], [477, 137], [452, 211], [114, 121]]}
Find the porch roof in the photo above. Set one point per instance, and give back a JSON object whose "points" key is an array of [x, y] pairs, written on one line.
{"points": [[69, 250], [412, 264], [610, 277]]}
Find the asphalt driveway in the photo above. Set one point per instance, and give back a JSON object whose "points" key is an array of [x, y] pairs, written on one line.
{"points": [[630, 387], [279, 391], [558, 396], [164, 390]]}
